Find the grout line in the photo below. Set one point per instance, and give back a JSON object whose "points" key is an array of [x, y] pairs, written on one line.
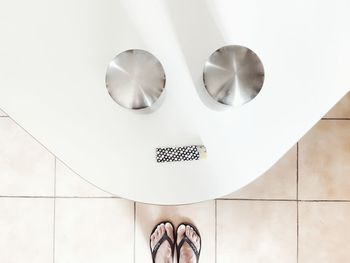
{"points": [[219, 199], [335, 119], [24, 196], [297, 171], [297, 202], [291, 200], [255, 199], [134, 248], [324, 201], [216, 231], [297, 231], [60, 197], [89, 197], [54, 215], [4, 116]]}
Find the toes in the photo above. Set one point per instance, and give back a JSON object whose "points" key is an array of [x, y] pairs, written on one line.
{"points": [[169, 230], [155, 236], [196, 239], [152, 240], [158, 231], [192, 234], [162, 229], [188, 231], [181, 233]]}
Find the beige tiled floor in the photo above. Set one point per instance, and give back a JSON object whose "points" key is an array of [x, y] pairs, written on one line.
{"points": [[298, 211], [256, 231], [342, 109], [26, 233], [26, 168], [324, 166], [279, 182], [324, 232], [94, 230]]}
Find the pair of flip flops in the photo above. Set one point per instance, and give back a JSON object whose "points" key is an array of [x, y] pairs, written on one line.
{"points": [[184, 240]]}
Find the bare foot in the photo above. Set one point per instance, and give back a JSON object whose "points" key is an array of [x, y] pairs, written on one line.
{"points": [[186, 254], [164, 253]]}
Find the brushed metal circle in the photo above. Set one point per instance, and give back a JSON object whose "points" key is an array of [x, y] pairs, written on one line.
{"points": [[135, 79], [233, 75]]}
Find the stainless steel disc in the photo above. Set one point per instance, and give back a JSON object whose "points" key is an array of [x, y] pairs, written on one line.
{"points": [[233, 75], [135, 79]]}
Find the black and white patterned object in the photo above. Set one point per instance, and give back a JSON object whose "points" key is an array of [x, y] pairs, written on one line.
{"points": [[176, 154]]}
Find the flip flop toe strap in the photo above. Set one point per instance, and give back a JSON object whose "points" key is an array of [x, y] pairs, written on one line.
{"points": [[193, 247], [164, 238]]}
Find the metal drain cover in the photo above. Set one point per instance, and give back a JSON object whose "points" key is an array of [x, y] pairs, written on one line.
{"points": [[135, 79], [233, 75]]}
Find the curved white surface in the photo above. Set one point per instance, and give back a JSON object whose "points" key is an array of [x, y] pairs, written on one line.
{"points": [[53, 59]]}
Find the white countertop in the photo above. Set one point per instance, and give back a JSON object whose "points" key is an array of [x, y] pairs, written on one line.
{"points": [[53, 60]]}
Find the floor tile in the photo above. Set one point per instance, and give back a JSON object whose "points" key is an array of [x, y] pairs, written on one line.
{"points": [[201, 215], [341, 109], [94, 230], [26, 230], [324, 232], [70, 184], [2, 113], [26, 167], [256, 231], [324, 161], [279, 182]]}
